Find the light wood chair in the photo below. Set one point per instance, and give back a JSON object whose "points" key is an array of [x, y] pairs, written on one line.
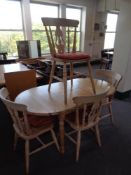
{"points": [[104, 62], [86, 116], [106, 58], [28, 127], [17, 82], [62, 39], [114, 79]]}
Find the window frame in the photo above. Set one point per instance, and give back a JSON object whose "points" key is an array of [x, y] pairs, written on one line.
{"points": [[80, 22], [62, 14], [109, 32], [15, 30], [42, 30], [44, 3]]}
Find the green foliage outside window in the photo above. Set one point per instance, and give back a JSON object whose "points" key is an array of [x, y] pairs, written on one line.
{"points": [[8, 41], [40, 35], [77, 40]]}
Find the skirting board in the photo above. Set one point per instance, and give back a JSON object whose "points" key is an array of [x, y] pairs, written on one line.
{"points": [[122, 95]]}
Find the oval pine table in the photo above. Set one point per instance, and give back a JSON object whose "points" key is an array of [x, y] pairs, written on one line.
{"points": [[42, 102]]}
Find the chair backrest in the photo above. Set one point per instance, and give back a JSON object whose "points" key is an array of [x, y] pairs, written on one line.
{"points": [[110, 76], [17, 82], [61, 34], [88, 109], [18, 113]]}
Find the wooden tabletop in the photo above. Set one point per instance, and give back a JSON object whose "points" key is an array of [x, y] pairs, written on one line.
{"points": [[11, 68], [42, 102]]}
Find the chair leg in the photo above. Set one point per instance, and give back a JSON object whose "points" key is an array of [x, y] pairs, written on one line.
{"points": [[52, 74], [106, 66], [101, 65], [110, 111], [27, 156], [65, 83], [91, 78], [97, 134], [71, 74], [78, 145], [15, 140], [62, 132], [55, 139]]}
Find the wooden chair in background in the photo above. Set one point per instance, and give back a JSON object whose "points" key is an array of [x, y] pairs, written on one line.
{"points": [[87, 116], [17, 82], [62, 39], [104, 63], [27, 127], [106, 58], [114, 79], [4, 60], [3, 55]]}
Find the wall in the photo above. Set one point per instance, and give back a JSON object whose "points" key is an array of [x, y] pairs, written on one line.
{"points": [[122, 55], [101, 15], [98, 38], [108, 5]]}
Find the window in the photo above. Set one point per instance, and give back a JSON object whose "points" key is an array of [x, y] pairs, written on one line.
{"points": [[111, 30], [38, 11], [11, 28], [75, 13]]}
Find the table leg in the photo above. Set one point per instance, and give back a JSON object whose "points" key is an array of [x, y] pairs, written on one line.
{"points": [[62, 132], [65, 83], [52, 74], [91, 77]]}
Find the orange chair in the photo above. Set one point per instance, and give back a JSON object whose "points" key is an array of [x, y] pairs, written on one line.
{"points": [[62, 39]]}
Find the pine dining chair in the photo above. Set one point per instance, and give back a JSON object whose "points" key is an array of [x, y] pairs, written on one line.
{"points": [[85, 117], [62, 40], [114, 79], [28, 127]]}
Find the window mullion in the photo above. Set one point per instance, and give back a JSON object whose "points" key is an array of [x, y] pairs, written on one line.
{"points": [[25, 4]]}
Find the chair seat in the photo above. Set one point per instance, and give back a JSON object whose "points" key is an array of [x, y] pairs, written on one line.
{"points": [[39, 121], [72, 56]]}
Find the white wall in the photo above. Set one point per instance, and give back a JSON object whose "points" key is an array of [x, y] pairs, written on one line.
{"points": [[101, 15], [98, 38], [122, 55], [108, 5]]}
